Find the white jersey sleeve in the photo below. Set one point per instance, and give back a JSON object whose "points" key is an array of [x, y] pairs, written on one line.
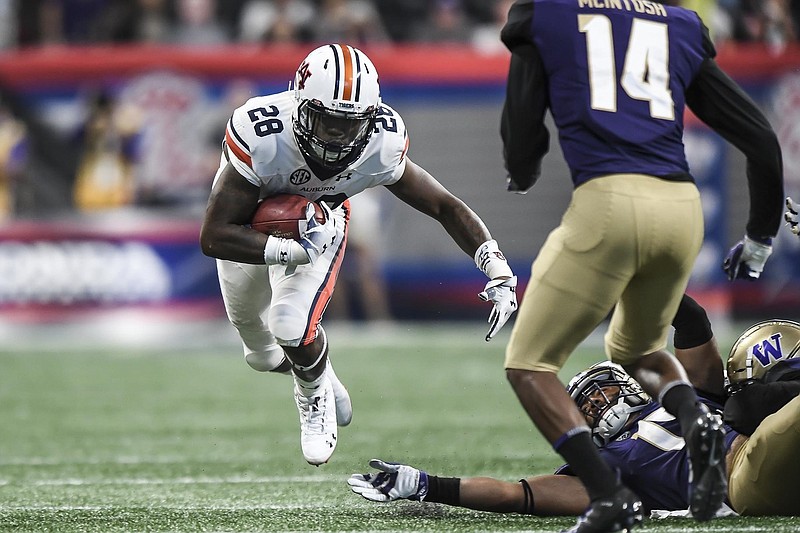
{"points": [[391, 145], [249, 137]]}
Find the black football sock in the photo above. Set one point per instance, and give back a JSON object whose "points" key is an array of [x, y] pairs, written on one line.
{"points": [[680, 400], [577, 448]]}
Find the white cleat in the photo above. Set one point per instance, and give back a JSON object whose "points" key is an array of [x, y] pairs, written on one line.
{"points": [[317, 423], [344, 407]]}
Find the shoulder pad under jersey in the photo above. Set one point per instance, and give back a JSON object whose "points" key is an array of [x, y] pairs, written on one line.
{"points": [[388, 146], [253, 132]]}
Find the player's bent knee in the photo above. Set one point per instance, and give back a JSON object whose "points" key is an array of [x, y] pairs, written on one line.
{"points": [[516, 376], [288, 325], [267, 360]]}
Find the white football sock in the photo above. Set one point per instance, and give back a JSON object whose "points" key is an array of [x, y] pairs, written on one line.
{"points": [[308, 388]]}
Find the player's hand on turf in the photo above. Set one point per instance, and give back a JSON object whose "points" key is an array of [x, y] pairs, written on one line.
{"points": [[393, 481], [503, 294], [791, 216], [746, 260], [317, 237]]}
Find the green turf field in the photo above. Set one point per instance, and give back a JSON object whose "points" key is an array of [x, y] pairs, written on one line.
{"points": [[169, 440]]}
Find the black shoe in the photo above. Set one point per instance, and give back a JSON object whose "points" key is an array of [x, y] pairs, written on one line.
{"points": [[705, 441], [618, 513]]}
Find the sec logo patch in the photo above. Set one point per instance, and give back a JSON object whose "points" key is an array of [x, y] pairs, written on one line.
{"points": [[300, 176]]}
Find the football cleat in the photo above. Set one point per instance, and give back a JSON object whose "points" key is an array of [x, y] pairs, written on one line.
{"points": [[344, 407], [317, 423], [705, 441], [620, 512]]}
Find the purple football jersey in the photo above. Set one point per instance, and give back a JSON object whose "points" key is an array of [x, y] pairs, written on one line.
{"points": [[617, 72], [652, 459]]}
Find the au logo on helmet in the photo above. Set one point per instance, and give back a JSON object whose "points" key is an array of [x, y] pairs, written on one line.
{"points": [[302, 75]]}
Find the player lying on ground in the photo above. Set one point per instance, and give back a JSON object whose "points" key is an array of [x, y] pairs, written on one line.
{"points": [[643, 443]]}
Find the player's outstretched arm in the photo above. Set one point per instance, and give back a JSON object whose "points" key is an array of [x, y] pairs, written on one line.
{"points": [[722, 104], [423, 192], [545, 495]]}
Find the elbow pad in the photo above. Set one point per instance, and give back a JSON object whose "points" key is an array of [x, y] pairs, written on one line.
{"points": [[692, 327]]}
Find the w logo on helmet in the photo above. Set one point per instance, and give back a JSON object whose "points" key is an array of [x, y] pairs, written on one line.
{"points": [[302, 75], [768, 348], [759, 348]]}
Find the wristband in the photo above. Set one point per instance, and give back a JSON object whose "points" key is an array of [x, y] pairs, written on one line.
{"points": [[765, 239], [491, 261], [446, 490], [279, 251]]}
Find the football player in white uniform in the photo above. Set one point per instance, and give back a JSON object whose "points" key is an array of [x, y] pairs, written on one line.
{"points": [[327, 138]]}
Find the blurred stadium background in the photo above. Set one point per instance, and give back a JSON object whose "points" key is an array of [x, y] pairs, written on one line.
{"points": [[112, 112], [111, 118]]}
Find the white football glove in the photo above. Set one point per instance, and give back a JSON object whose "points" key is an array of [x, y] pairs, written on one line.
{"points": [[317, 237], [503, 294], [394, 481], [746, 259], [791, 216]]}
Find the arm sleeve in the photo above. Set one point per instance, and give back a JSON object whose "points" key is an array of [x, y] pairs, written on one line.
{"points": [[525, 136], [746, 409], [719, 102]]}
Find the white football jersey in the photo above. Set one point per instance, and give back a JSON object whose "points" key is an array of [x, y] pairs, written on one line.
{"points": [[262, 147]]}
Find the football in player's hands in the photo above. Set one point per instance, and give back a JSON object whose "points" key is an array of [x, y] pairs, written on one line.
{"points": [[284, 215]]}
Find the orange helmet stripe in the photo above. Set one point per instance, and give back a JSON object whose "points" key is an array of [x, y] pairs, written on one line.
{"points": [[347, 89]]}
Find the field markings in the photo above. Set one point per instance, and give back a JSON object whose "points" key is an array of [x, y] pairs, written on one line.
{"points": [[204, 480], [100, 508], [122, 460]]}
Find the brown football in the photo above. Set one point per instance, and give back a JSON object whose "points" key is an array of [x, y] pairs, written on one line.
{"points": [[284, 215]]}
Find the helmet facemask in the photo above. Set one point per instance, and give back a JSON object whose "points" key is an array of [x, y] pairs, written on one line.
{"points": [[332, 139], [337, 99], [607, 397]]}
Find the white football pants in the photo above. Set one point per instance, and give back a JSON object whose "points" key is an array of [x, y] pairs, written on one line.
{"points": [[273, 305]]}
